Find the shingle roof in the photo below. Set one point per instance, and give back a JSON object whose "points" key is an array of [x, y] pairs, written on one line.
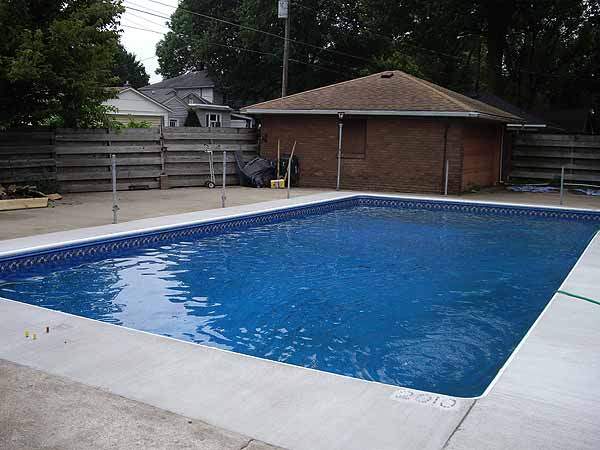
{"points": [[187, 80], [391, 92], [498, 102], [160, 95]]}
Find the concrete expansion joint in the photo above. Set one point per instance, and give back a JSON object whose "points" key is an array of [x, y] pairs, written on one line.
{"points": [[245, 446], [458, 425]]}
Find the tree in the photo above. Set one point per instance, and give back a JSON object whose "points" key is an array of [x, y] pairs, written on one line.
{"points": [[534, 54], [127, 69], [192, 119], [56, 60], [179, 52]]}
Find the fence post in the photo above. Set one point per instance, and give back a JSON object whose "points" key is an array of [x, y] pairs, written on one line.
{"points": [[223, 197], [113, 169]]}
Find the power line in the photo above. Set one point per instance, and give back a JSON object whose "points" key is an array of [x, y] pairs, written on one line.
{"points": [[157, 14], [245, 27], [145, 19], [134, 22], [142, 29], [247, 50], [461, 59]]}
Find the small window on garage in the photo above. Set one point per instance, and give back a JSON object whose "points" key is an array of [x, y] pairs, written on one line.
{"points": [[173, 122], [354, 138]]}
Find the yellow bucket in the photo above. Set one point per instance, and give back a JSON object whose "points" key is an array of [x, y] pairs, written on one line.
{"points": [[277, 184]]}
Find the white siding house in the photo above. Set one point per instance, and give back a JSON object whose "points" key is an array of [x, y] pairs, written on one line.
{"points": [[131, 104]]}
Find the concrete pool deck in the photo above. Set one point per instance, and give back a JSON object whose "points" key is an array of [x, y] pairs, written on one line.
{"points": [[545, 398]]}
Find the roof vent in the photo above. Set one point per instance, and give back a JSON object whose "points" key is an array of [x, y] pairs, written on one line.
{"points": [[387, 75]]}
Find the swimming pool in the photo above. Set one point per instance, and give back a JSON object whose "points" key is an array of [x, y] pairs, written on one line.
{"points": [[422, 294]]}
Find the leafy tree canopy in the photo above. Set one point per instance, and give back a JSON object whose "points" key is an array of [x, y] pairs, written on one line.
{"points": [[128, 70], [533, 53], [56, 58]]}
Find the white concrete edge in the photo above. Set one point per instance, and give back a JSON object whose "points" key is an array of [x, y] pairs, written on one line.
{"points": [[242, 356], [337, 196]]}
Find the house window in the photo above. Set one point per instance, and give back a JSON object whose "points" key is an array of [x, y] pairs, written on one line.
{"points": [[354, 138], [207, 94], [173, 122], [213, 120]]}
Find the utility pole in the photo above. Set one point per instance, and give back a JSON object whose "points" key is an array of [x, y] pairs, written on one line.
{"points": [[283, 12]]}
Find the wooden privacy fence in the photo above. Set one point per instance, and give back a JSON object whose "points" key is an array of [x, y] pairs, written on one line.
{"points": [[27, 156], [540, 157], [79, 160]]}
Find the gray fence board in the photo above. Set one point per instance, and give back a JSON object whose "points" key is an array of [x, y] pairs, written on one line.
{"points": [[27, 156], [79, 160], [540, 158]]}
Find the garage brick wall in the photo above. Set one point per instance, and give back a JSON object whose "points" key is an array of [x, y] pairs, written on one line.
{"points": [[402, 154], [481, 163]]}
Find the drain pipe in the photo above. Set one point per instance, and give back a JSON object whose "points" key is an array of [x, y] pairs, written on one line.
{"points": [[339, 152]]}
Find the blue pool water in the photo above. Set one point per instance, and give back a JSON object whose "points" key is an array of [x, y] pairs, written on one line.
{"points": [[432, 300]]}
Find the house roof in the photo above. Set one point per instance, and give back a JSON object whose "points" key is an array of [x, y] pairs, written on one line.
{"points": [[122, 89], [187, 80], [528, 117], [385, 93]]}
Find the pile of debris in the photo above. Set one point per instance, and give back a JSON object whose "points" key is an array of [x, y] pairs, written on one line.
{"points": [[24, 197]]}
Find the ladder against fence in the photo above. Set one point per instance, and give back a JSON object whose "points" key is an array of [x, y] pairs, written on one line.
{"points": [[540, 158], [79, 160]]}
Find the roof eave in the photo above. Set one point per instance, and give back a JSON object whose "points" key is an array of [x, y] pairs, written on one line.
{"points": [[209, 106], [367, 112]]}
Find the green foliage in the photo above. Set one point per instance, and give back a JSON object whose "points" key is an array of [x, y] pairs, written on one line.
{"points": [[396, 61], [56, 59], [533, 53], [128, 70], [179, 51], [192, 119], [116, 125]]}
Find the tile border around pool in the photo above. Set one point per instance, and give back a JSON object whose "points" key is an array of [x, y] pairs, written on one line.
{"points": [[28, 258]]}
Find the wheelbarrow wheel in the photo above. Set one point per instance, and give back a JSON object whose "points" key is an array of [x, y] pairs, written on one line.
{"points": [[210, 184]]}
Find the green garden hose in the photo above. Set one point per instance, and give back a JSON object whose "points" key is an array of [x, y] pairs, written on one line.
{"points": [[579, 297]]}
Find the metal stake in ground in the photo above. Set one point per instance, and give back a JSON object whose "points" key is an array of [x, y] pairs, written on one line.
{"points": [[446, 177], [562, 185], [223, 197], [289, 170], [113, 169]]}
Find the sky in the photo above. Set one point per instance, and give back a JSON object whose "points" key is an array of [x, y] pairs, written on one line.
{"points": [[143, 43]]}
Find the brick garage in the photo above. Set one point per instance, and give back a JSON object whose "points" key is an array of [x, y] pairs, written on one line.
{"points": [[401, 148]]}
